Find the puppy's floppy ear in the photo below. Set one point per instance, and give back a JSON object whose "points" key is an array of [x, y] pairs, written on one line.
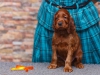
{"points": [[54, 20], [71, 24]]}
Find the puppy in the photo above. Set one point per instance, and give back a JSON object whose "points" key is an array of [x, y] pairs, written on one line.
{"points": [[66, 46]]}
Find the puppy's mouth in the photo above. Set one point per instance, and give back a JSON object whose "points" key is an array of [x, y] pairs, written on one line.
{"points": [[61, 31], [60, 28]]}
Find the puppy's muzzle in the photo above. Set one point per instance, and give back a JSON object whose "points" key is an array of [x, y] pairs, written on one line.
{"points": [[60, 23]]}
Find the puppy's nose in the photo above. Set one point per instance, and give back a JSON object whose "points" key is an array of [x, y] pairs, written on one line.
{"points": [[60, 23]]}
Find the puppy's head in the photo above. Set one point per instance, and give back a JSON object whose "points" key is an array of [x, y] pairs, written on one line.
{"points": [[63, 21]]}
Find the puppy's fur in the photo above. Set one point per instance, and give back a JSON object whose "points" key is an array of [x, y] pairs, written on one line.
{"points": [[66, 44]]}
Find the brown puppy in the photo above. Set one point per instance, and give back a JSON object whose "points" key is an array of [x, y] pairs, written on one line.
{"points": [[66, 44]]}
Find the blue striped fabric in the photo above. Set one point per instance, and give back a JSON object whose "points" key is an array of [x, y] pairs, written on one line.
{"points": [[90, 39], [86, 20], [42, 44], [84, 17]]}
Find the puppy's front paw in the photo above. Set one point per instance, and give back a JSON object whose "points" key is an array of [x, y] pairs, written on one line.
{"points": [[80, 65], [68, 69], [52, 66]]}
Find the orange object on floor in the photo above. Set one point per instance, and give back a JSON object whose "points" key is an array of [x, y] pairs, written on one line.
{"points": [[20, 67]]}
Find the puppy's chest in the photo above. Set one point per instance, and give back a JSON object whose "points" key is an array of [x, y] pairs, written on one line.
{"points": [[62, 49], [61, 44]]}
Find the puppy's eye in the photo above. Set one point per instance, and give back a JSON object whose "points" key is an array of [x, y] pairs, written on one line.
{"points": [[65, 17], [56, 18]]}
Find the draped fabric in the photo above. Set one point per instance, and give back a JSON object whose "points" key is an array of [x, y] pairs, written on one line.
{"points": [[87, 26]]}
